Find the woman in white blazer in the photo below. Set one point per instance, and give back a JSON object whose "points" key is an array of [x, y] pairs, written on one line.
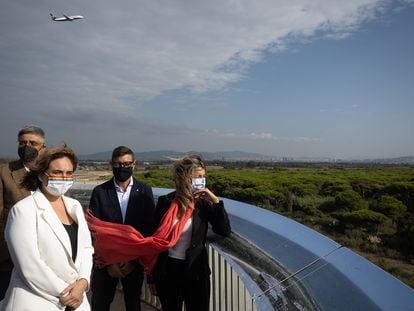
{"points": [[48, 240]]}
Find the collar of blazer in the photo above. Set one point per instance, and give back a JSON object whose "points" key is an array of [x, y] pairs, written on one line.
{"points": [[18, 172], [46, 212], [16, 165], [136, 185]]}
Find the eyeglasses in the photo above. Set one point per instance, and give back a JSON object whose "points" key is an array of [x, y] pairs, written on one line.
{"points": [[32, 143], [123, 164]]}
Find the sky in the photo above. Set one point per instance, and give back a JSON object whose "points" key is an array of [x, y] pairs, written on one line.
{"points": [[297, 78]]}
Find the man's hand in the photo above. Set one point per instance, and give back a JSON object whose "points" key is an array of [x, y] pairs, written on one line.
{"points": [[115, 271], [127, 267]]}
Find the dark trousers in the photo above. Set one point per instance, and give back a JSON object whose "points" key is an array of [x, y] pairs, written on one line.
{"points": [[174, 289], [104, 286], [5, 277]]}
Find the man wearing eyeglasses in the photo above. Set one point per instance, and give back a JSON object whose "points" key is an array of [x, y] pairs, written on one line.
{"points": [[122, 199], [31, 142]]}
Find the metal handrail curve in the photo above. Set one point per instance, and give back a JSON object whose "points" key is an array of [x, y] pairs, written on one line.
{"points": [[271, 262]]}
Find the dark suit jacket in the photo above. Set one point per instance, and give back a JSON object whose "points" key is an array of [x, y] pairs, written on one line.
{"points": [[196, 255], [104, 204], [11, 175]]}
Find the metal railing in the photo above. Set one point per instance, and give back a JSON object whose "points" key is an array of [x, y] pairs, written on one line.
{"points": [[228, 290], [271, 262], [228, 285]]}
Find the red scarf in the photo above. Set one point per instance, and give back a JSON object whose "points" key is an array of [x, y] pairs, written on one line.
{"points": [[114, 243]]}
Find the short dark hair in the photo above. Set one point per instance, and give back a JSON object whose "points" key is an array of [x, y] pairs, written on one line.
{"points": [[31, 129], [121, 151], [31, 180]]}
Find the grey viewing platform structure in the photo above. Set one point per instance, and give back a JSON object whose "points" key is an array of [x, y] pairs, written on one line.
{"points": [[271, 262]]}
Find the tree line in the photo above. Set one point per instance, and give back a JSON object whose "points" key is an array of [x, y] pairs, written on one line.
{"points": [[368, 208]]}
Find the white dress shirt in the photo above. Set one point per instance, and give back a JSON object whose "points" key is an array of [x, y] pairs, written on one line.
{"points": [[123, 196]]}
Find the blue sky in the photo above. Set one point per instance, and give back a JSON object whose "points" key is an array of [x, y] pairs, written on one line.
{"points": [[282, 78]]}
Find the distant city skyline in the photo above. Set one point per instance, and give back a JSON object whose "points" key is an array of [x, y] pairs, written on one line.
{"points": [[284, 79], [170, 155]]}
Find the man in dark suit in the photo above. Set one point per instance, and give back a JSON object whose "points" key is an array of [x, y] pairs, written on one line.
{"points": [[125, 200], [31, 142]]}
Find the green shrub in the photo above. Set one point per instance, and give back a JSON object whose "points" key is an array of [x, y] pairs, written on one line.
{"points": [[403, 191], [349, 200], [309, 204], [389, 206], [363, 218], [363, 187], [330, 188]]}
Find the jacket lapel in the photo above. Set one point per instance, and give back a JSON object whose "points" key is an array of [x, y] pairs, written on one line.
{"points": [[75, 213], [47, 213], [71, 209], [115, 210], [132, 201], [196, 222], [135, 190]]}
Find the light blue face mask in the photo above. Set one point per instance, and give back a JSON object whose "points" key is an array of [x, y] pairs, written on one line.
{"points": [[198, 183]]}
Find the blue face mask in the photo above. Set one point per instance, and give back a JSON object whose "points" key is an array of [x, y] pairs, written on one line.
{"points": [[198, 183]]}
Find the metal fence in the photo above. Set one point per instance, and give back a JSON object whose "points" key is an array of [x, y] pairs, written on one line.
{"points": [[271, 262], [228, 289]]}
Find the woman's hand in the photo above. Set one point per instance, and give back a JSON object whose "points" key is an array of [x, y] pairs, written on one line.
{"points": [[72, 296], [206, 194]]}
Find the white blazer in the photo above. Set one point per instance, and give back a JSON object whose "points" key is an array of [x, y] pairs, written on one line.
{"points": [[40, 248]]}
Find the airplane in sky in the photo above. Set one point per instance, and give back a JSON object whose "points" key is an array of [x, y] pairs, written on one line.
{"points": [[65, 18]]}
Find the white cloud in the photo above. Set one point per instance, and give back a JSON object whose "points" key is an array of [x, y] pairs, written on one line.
{"points": [[143, 48]]}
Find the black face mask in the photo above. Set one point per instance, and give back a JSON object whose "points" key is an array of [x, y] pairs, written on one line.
{"points": [[122, 173], [27, 153]]}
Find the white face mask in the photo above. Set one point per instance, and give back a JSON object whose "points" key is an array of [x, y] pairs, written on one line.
{"points": [[58, 186], [198, 183]]}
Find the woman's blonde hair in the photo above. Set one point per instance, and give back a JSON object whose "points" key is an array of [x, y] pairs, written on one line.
{"points": [[182, 172]]}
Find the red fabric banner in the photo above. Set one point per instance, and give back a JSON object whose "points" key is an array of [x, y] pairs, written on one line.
{"points": [[116, 243]]}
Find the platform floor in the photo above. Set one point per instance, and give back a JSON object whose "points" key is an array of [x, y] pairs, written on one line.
{"points": [[118, 303]]}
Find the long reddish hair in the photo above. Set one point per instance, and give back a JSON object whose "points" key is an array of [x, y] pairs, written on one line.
{"points": [[182, 172]]}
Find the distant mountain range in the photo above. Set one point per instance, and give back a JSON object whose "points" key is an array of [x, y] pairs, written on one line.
{"points": [[165, 155]]}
